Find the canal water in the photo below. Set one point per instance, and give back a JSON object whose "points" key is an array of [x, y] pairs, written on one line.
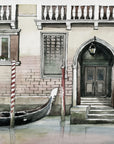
{"points": [[51, 130]]}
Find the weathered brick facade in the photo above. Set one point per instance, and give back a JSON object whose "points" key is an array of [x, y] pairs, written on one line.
{"points": [[30, 83], [5, 81]]}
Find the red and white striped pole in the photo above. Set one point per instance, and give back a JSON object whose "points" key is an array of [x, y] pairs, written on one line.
{"points": [[63, 93], [12, 103]]}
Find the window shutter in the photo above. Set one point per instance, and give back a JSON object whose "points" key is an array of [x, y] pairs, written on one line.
{"points": [[14, 51]]}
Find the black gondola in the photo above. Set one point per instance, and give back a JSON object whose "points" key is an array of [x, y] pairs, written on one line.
{"points": [[28, 116]]}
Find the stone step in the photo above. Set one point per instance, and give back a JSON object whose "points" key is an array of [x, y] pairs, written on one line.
{"points": [[95, 99], [101, 111], [100, 107], [95, 102], [100, 121], [97, 105], [100, 116]]}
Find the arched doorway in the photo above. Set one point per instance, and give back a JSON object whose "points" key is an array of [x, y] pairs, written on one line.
{"points": [[92, 71]]}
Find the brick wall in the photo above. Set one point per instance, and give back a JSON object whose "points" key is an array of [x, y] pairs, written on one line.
{"points": [[5, 81], [30, 83]]}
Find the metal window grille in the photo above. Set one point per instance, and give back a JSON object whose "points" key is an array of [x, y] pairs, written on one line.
{"points": [[54, 53]]}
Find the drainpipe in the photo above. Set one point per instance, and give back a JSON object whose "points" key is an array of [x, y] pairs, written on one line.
{"points": [[63, 92]]}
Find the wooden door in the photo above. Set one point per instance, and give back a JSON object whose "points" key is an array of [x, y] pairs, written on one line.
{"points": [[95, 81], [89, 81], [100, 81]]}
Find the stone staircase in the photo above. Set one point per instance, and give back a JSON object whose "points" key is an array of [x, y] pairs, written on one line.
{"points": [[100, 110]]}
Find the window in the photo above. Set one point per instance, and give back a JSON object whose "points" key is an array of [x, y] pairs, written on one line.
{"points": [[53, 53], [4, 48], [9, 48]]}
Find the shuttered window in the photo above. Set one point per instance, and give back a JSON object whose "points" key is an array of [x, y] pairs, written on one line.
{"points": [[54, 51]]}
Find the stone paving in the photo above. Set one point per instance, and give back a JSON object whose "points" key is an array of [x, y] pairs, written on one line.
{"points": [[51, 130]]}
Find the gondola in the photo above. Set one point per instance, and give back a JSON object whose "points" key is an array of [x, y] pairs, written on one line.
{"points": [[28, 116]]}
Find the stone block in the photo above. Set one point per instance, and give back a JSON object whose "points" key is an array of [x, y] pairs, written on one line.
{"points": [[78, 114]]}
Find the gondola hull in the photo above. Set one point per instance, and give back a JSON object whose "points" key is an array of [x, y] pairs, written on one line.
{"points": [[25, 117]]}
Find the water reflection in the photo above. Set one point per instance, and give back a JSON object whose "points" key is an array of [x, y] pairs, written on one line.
{"points": [[51, 130], [62, 126], [12, 136]]}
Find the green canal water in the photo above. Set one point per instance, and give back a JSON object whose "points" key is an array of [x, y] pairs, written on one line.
{"points": [[51, 130]]}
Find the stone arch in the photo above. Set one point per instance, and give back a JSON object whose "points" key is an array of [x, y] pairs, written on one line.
{"points": [[76, 68]]}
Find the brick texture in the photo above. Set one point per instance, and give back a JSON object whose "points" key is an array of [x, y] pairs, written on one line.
{"points": [[30, 83], [5, 81]]}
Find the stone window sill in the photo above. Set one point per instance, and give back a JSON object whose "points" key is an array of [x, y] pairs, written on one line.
{"points": [[8, 63]]}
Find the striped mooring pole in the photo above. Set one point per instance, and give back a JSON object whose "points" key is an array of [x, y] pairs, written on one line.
{"points": [[63, 93], [12, 101]]}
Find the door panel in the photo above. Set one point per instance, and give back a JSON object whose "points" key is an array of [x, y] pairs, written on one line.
{"points": [[100, 81], [89, 81], [95, 81], [89, 87]]}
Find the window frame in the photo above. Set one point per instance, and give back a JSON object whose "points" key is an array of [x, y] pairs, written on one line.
{"points": [[42, 54], [2, 36], [13, 46]]}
